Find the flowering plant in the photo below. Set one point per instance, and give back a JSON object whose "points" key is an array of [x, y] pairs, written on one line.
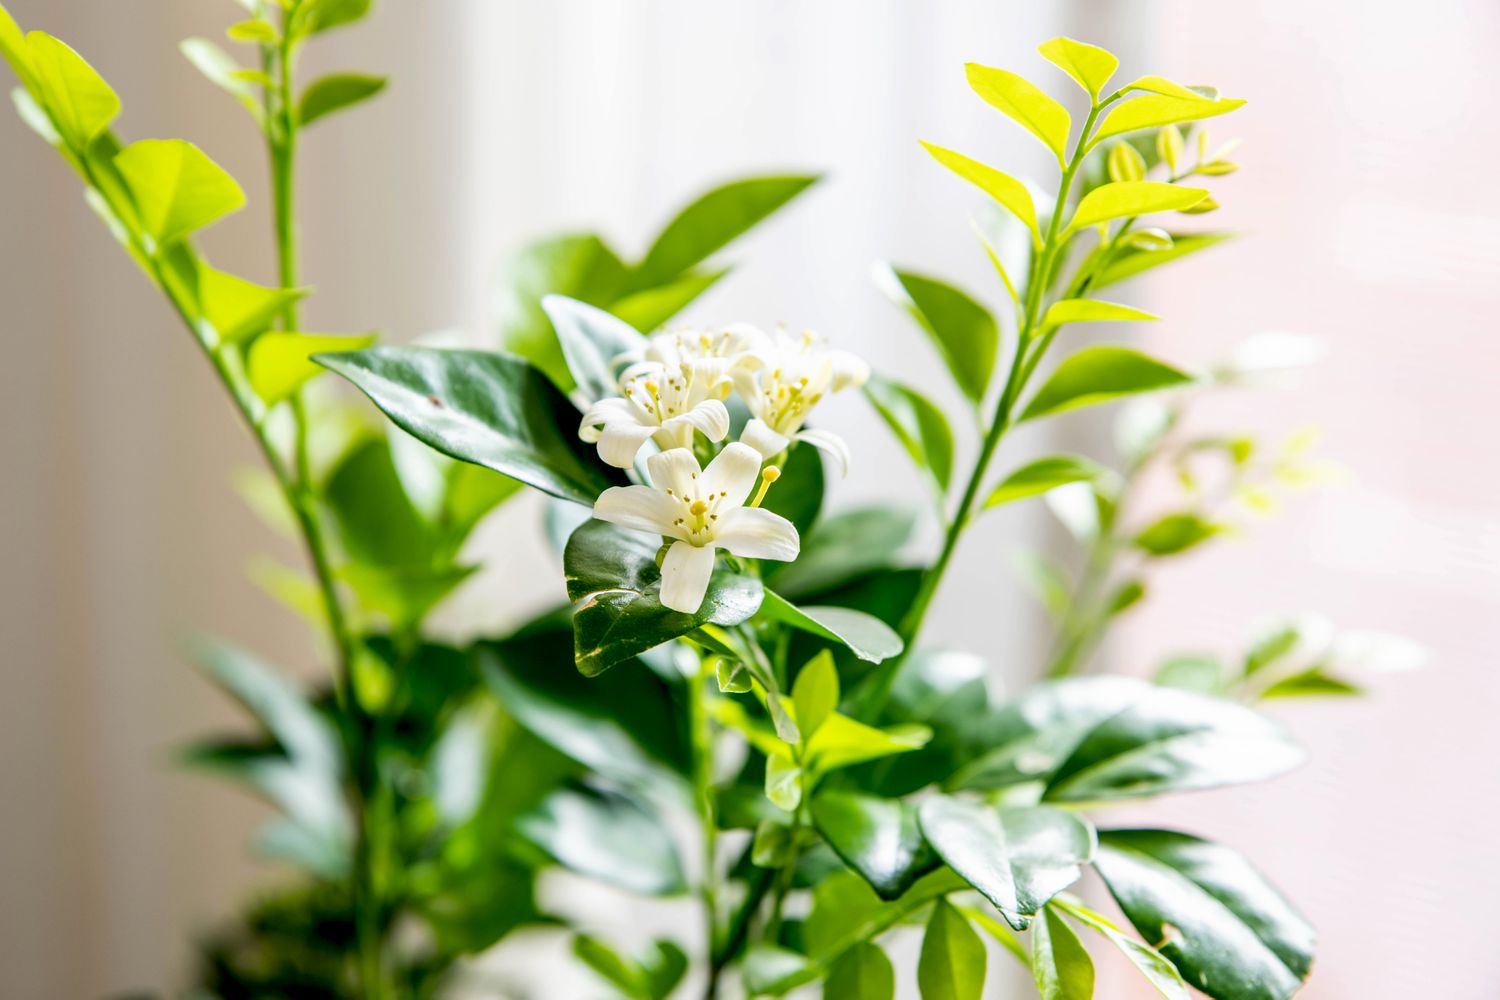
{"points": [[733, 658]]}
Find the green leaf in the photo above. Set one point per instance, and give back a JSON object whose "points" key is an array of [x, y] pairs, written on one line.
{"points": [[177, 188], [649, 308], [1191, 672], [1046, 581], [253, 31], [14, 49], [615, 968], [78, 100], [665, 965], [815, 692], [280, 362], [321, 15], [783, 782], [238, 309], [1152, 964], [1017, 857], [1036, 478], [844, 547], [769, 970], [274, 701], [965, 333], [615, 587], [1059, 962], [861, 973], [1088, 65], [879, 838], [842, 742], [592, 340], [952, 963], [377, 522], [711, 222], [1002, 187], [224, 72], [869, 638], [1310, 683], [1024, 103], [1092, 311], [1228, 931], [1155, 110], [1098, 375], [1175, 533], [1134, 262], [490, 409], [918, 424], [1128, 199], [336, 92], [580, 266], [606, 836]]}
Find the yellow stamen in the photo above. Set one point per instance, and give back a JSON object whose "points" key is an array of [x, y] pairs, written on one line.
{"points": [[768, 475]]}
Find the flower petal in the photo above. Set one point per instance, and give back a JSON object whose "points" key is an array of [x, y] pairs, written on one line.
{"points": [[674, 469], [733, 472], [710, 417], [620, 441], [848, 371], [757, 534], [829, 442], [640, 508], [759, 435], [602, 413], [684, 576]]}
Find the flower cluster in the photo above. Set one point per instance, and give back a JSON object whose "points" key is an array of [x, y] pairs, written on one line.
{"points": [[678, 387]]}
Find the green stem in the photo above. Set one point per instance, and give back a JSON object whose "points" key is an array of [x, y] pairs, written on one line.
{"points": [[703, 792]]}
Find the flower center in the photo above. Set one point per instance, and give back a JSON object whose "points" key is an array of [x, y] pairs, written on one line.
{"points": [[699, 514]]}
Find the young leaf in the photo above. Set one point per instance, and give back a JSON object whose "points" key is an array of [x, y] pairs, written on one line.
{"points": [[1004, 188], [918, 424], [1152, 964], [1088, 65], [280, 362], [253, 31], [713, 221], [224, 72], [1024, 103], [1127, 199], [1228, 931], [1155, 110], [1167, 88], [769, 970], [238, 309], [869, 638], [1043, 475], [1136, 261], [592, 340], [879, 838], [1310, 683], [176, 187], [783, 782], [952, 963], [490, 409], [615, 968], [15, 51], [321, 15], [843, 742], [1059, 962], [649, 308], [1017, 857], [861, 973], [1099, 374], [81, 104], [965, 333], [336, 92], [1175, 533], [1092, 311], [815, 693]]}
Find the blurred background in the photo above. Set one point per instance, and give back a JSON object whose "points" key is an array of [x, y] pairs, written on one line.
{"points": [[1368, 143]]}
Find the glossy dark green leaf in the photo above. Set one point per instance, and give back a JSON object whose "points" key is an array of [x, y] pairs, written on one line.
{"points": [[177, 189], [711, 222], [377, 522], [1228, 931], [606, 836], [1017, 857], [1129, 263], [879, 838], [615, 587], [592, 340], [952, 963], [866, 636], [947, 691], [1043, 475], [79, 102], [965, 333], [336, 92], [918, 424], [843, 547], [494, 410], [861, 973], [1059, 962], [1175, 533], [1098, 375], [798, 494]]}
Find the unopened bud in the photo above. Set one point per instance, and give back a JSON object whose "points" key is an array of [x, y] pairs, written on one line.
{"points": [[1169, 147], [1125, 163]]}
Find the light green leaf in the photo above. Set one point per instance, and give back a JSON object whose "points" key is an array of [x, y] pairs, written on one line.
{"points": [[1024, 103], [842, 742], [1004, 188], [491, 409], [238, 309], [1176, 533], [1088, 65], [1310, 683], [177, 188], [879, 838], [1155, 110], [815, 692], [336, 92], [1228, 931], [1098, 375], [965, 333], [1167, 88], [592, 342], [1036, 478], [1059, 962], [253, 31], [1092, 311], [918, 424], [649, 308], [224, 72], [321, 15], [619, 971], [31, 113], [952, 963], [1128, 199], [769, 970], [1152, 964], [869, 638], [280, 362], [81, 104], [1017, 857], [783, 782], [14, 49], [1136, 261], [861, 973], [712, 222]]}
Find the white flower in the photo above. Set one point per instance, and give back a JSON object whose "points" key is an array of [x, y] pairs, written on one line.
{"points": [[702, 510], [663, 401], [782, 379]]}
